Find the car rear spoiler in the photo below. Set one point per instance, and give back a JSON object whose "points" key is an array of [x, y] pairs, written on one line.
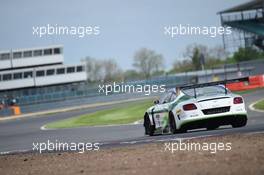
{"points": [[215, 83]]}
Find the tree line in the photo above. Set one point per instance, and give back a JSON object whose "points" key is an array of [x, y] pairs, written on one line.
{"points": [[148, 63]]}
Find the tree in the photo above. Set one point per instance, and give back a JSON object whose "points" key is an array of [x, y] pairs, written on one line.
{"points": [[248, 53], [148, 62], [193, 58], [218, 52], [106, 70], [94, 69], [132, 75], [182, 66], [190, 49], [196, 59], [112, 72], [194, 52]]}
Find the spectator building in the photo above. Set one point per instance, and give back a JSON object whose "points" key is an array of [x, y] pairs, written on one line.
{"points": [[38, 72], [247, 22]]}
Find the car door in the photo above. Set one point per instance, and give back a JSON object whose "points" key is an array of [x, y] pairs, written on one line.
{"points": [[160, 112]]}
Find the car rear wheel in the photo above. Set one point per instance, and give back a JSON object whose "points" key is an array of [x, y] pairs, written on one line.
{"points": [[149, 129], [212, 127], [239, 123]]}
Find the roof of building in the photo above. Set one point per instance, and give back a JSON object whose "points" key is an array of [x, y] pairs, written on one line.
{"points": [[252, 5]]}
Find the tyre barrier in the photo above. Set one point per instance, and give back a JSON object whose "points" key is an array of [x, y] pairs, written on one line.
{"points": [[254, 82]]}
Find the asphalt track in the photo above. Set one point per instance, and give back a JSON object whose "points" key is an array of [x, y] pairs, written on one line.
{"points": [[18, 135]]}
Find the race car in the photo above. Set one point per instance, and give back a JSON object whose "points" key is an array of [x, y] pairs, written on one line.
{"points": [[208, 105]]}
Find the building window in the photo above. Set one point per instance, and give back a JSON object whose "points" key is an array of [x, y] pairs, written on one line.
{"points": [[70, 69], [60, 71], [79, 68], [5, 56], [17, 54], [47, 51], [7, 77], [57, 51], [40, 73], [37, 52], [28, 74], [50, 72], [17, 76], [27, 54]]}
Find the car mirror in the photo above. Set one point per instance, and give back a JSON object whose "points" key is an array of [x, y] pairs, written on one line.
{"points": [[156, 102]]}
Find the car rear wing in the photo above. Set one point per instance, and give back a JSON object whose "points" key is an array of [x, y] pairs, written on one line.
{"points": [[215, 83]]}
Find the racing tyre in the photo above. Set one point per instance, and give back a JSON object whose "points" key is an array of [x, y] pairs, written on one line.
{"points": [[239, 123], [172, 123], [212, 127], [149, 129]]}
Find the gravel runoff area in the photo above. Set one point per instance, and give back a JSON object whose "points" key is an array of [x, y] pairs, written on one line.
{"points": [[245, 157]]}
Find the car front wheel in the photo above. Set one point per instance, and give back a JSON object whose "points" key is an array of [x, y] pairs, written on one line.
{"points": [[172, 123], [149, 129]]}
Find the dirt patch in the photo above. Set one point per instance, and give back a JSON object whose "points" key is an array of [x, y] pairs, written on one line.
{"points": [[245, 157]]}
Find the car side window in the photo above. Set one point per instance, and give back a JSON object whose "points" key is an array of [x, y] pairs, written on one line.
{"points": [[173, 97], [168, 97]]}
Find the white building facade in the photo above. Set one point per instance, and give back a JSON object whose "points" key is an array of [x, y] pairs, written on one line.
{"points": [[37, 67]]}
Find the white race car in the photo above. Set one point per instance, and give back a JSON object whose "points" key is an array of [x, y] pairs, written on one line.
{"points": [[208, 105]]}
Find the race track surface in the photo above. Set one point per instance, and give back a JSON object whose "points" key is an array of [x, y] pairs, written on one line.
{"points": [[18, 135]]}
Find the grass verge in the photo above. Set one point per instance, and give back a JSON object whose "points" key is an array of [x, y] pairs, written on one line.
{"points": [[121, 114], [259, 105]]}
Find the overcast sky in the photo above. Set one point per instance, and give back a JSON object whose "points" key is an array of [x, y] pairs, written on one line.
{"points": [[125, 26]]}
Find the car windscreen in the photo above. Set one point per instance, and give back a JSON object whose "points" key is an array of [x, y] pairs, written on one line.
{"points": [[205, 91]]}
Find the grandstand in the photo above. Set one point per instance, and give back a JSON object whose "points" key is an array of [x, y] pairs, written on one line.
{"points": [[33, 57], [247, 24], [37, 71]]}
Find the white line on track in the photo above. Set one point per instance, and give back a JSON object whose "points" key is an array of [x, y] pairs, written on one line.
{"points": [[13, 152], [252, 108], [98, 126], [162, 140]]}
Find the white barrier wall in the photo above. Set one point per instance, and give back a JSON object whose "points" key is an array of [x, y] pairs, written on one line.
{"points": [[35, 61], [22, 58], [5, 64], [60, 79], [15, 84]]}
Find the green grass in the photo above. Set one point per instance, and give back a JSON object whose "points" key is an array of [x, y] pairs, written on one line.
{"points": [[259, 105], [121, 114]]}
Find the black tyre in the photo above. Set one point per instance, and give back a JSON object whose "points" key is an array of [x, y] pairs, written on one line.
{"points": [[149, 129], [212, 127], [239, 122], [172, 123]]}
